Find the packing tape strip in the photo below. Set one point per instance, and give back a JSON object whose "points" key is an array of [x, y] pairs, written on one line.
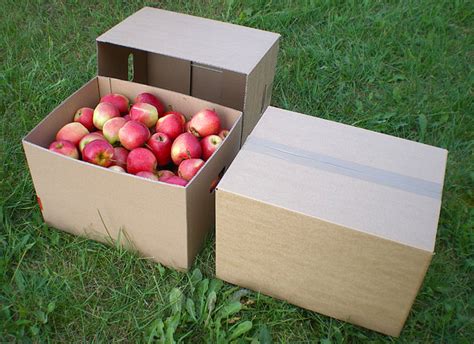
{"points": [[348, 168]]}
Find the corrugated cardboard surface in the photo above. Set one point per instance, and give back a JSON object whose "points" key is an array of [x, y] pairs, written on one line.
{"points": [[333, 218], [151, 217], [346, 274], [362, 180], [223, 45]]}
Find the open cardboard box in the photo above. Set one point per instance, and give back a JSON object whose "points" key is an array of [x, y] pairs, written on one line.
{"points": [[208, 64], [164, 222], [333, 218]]}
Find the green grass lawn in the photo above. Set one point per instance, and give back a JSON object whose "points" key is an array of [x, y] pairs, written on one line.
{"points": [[404, 69]]}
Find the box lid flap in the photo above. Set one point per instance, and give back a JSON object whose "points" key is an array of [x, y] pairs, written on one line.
{"points": [[222, 45], [363, 180]]}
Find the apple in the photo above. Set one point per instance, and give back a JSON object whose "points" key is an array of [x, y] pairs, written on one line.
{"points": [[84, 116], [72, 132], [145, 113], [140, 159], [178, 114], [175, 180], [223, 133], [186, 127], [150, 99], [209, 145], [164, 174], [160, 145], [112, 127], [171, 125], [89, 138], [127, 117], [102, 113], [120, 156], [147, 175], [133, 134], [117, 168], [65, 148], [99, 152], [185, 146], [188, 168], [214, 184], [204, 123], [120, 101]]}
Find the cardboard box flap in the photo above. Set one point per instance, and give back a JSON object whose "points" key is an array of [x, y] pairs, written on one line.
{"points": [[367, 181], [222, 45]]}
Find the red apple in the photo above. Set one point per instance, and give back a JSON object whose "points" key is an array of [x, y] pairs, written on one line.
{"points": [[84, 116], [72, 132], [178, 114], [127, 117], [175, 180], [65, 148], [120, 156], [145, 113], [89, 138], [141, 159], [160, 145], [117, 168], [186, 127], [188, 168], [102, 113], [99, 152], [171, 125], [112, 127], [209, 145], [147, 175], [204, 123], [120, 101], [223, 133], [133, 134], [214, 184], [185, 146], [164, 174], [150, 99]]}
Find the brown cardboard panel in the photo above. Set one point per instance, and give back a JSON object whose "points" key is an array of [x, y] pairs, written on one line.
{"points": [[169, 73], [223, 45], [75, 195], [258, 93], [200, 199], [219, 86], [343, 175], [317, 265], [44, 133]]}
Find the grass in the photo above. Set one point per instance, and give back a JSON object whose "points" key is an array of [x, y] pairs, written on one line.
{"points": [[402, 68]]}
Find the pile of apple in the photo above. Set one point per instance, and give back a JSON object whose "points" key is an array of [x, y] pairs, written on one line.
{"points": [[142, 139]]}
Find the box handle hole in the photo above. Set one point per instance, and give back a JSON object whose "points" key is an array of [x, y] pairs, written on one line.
{"points": [[130, 67]]}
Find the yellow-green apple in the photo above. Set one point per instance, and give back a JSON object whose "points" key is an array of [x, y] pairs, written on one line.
{"points": [[145, 113], [209, 145], [65, 148], [141, 159], [147, 175], [120, 156], [223, 133], [99, 152], [89, 138], [164, 174], [84, 116], [133, 134], [188, 168], [103, 112], [117, 168], [175, 180], [206, 122], [160, 145], [112, 127], [171, 125], [72, 132], [150, 99], [185, 146], [120, 101]]}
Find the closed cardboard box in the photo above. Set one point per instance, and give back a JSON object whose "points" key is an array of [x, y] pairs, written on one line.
{"points": [[332, 218], [190, 63]]}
